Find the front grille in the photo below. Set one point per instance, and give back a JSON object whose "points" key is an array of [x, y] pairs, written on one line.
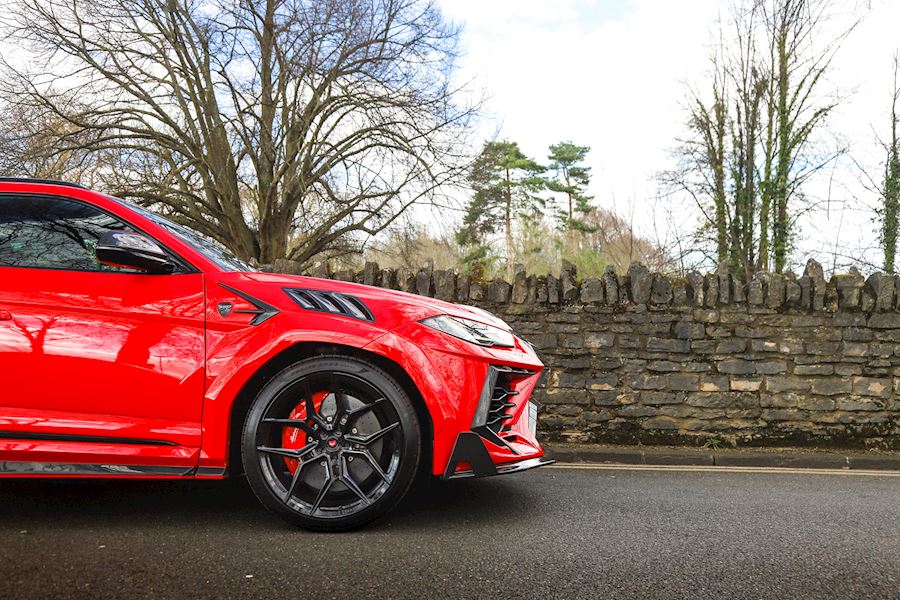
{"points": [[501, 398]]}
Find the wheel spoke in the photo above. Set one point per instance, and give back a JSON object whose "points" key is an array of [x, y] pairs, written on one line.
{"points": [[356, 412], [340, 400], [296, 479], [295, 453], [308, 400], [372, 463], [347, 479], [329, 481], [367, 440]]}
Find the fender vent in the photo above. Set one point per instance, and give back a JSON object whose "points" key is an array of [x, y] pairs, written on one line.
{"points": [[331, 302]]}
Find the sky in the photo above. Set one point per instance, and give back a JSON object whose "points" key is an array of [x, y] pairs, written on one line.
{"points": [[612, 75]]}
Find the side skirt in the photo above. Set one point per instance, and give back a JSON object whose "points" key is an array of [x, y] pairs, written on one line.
{"points": [[15, 468]]}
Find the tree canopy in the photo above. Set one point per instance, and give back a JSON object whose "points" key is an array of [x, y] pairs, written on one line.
{"points": [[506, 186], [281, 128], [571, 178]]}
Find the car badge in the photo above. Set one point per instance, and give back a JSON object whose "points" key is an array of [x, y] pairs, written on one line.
{"points": [[225, 308]]}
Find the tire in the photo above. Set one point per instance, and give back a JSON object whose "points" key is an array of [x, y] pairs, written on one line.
{"points": [[331, 443]]}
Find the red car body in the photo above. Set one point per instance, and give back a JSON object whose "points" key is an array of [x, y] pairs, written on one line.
{"points": [[110, 374]]}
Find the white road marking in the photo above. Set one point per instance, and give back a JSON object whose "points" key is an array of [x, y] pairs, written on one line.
{"points": [[722, 469]]}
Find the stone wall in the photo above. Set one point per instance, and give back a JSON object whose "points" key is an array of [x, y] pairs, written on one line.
{"points": [[648, 358]]}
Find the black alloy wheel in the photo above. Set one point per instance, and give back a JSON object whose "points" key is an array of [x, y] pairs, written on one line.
{"points": [[331, 443]]}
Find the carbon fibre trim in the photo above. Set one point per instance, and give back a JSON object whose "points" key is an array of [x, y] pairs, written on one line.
{"points": [[488, 419], [504, 469], [470, 448], [40, 468], [210, 472], [335, 303], [264, 311]]}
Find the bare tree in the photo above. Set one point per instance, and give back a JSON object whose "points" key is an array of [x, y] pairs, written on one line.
{"points": [[281, 128], [890, 193], [799, 61], [28, 148], [751, 143]]}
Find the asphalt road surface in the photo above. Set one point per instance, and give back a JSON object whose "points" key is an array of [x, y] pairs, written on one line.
{"points": [[549, 533]]}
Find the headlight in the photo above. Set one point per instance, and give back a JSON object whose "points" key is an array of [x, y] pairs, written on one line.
{"points": [[471, 331]]}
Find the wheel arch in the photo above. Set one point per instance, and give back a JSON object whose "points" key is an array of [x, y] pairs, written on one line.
{"points": [[303, 350]]}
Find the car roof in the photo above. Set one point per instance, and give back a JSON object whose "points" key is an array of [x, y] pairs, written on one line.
{"points": [[41, 181]]}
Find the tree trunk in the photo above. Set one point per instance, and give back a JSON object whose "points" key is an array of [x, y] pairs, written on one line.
{"points": [[892, 184], [782, 167], [508, 228]]}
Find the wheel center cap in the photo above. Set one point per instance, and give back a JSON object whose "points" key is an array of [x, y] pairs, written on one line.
{"points": [[332, 443]]}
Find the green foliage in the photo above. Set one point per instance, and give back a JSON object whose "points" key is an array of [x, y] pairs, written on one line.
{"points": [[510, 199], [714, 443], [751, 142], [507, 186], [571, 178], [891, 191], [891, 209]]}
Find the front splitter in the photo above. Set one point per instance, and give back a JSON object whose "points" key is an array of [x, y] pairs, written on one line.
{"points": [[504, 469]]}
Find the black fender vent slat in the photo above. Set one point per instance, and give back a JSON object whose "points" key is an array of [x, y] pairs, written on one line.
{"points": [[335, 303], [501, 398]]}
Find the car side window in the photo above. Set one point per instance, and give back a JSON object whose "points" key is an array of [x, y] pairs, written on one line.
{"points": [[52, 233]]}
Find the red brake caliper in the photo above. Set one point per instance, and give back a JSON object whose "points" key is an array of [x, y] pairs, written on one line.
{"points": [[296, 438]]}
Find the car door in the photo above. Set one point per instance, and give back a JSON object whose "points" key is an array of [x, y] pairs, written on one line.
{"points": [[101, 369]]}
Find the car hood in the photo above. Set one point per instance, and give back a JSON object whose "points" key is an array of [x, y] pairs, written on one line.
{"points": [[391, 308]]}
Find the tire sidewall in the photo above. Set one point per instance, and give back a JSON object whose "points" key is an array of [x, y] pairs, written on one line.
{"points": [[387, 386]]}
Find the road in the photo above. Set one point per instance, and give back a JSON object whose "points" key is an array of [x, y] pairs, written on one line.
{"points": [[548, 533]]}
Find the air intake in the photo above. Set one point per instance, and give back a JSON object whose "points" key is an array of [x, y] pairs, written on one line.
{"points": [[501, 398], [331, 302]]}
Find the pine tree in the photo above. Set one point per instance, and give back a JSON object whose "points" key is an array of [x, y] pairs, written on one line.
{"points": [[506, 186], [571, 178]]}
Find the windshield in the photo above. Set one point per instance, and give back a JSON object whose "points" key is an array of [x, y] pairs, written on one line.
{"points": [[214, 251]]}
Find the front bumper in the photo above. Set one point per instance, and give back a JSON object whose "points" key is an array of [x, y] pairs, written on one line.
{"points": [[478, 400], [471, 450], [501, 437]]}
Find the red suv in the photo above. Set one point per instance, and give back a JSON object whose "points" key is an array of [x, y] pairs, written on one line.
{"points": [[131, 346]]}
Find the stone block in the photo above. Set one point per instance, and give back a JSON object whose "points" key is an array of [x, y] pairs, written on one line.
{"points": [[688, 330], [657, 398], [663, 366], [736, 366], [641, 282], [661, 290], [684, 382], [872, 386], [603, 381], [787, 383], [445, 285], [814, 370], [885, 321], [770, 367], [592, 291], [830, 386], [655, 344], [611, 285], [647, 382], [595, 340], [664, 423]]}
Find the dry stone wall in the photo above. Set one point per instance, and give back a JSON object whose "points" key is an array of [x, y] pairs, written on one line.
{"points": [[643, 357]]}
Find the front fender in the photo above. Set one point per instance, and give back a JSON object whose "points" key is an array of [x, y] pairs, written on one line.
{"points": [[237, 351]]}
